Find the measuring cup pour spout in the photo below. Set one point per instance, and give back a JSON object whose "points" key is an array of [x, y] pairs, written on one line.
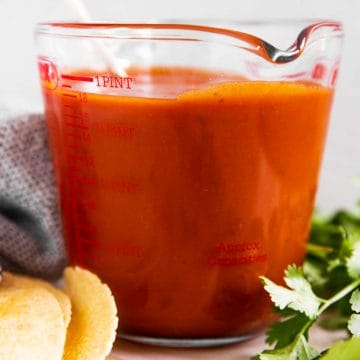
{"points": [[233, 34], [313, 56], [315, 32]]}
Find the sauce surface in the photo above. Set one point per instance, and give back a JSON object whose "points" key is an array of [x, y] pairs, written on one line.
{"points": [[180, 203]]}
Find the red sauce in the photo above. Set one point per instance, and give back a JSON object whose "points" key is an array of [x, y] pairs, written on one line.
{"points": [[180, 203]]}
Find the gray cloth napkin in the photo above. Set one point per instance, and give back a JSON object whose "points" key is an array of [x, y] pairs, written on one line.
{"points": [[31, 240]]}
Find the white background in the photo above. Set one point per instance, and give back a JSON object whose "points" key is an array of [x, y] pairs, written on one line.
{"points": [[18, 74]]}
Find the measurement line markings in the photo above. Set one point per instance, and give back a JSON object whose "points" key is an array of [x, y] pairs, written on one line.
{"points": [[73, 116], [85, 241], [74, 147], [77, 126], [66, 86], [74, 176], [75, 170], [69, 95], [77, 78], [77, 157], [76, 136]]}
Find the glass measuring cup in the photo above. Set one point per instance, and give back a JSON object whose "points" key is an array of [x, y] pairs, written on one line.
{"points": [[187, 159]]}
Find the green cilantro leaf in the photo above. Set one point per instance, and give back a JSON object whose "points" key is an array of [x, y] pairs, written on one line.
{"points": [[329, 280], [283, 333], [299, 297], [299, 349], [355, 301], [354, 322], [354, 325], [353, 262]]}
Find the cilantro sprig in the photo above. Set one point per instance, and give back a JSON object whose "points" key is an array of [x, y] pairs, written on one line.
{"points": [[327, 283]]}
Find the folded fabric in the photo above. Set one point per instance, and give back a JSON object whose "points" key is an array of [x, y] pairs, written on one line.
{"points": [[31, 240]]}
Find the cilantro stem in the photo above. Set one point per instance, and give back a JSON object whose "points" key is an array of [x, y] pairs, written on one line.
{"points": [[318, 251], [327, 303], [339, 295]]}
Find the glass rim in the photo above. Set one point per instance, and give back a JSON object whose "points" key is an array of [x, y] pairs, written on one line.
{"points": [[200, 30], [182, 23]]}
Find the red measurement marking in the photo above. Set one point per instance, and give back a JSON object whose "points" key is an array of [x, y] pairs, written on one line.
{"points": [[78, 157], [236, 260], [74, 147], [75, 167], [296, 75], [77, 126], [48, 73], [75, 177], [114, 81], [86, 228], [73, 116], [76, 192], [334, 75], [85, 181], [66, 86], [84, 137], [319, 71], [86, 206], [85, 241], [76, 136], [115, 130], [77, 78], [85, 160], [69, 95], [75, 171], [69, 106]]}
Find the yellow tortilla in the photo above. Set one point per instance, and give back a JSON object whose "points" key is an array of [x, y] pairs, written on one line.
{"points": [[92, 329], [31, 322], [27, 282]]}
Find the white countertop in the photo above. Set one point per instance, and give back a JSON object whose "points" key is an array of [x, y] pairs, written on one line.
{"points": [[124, 350]]}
